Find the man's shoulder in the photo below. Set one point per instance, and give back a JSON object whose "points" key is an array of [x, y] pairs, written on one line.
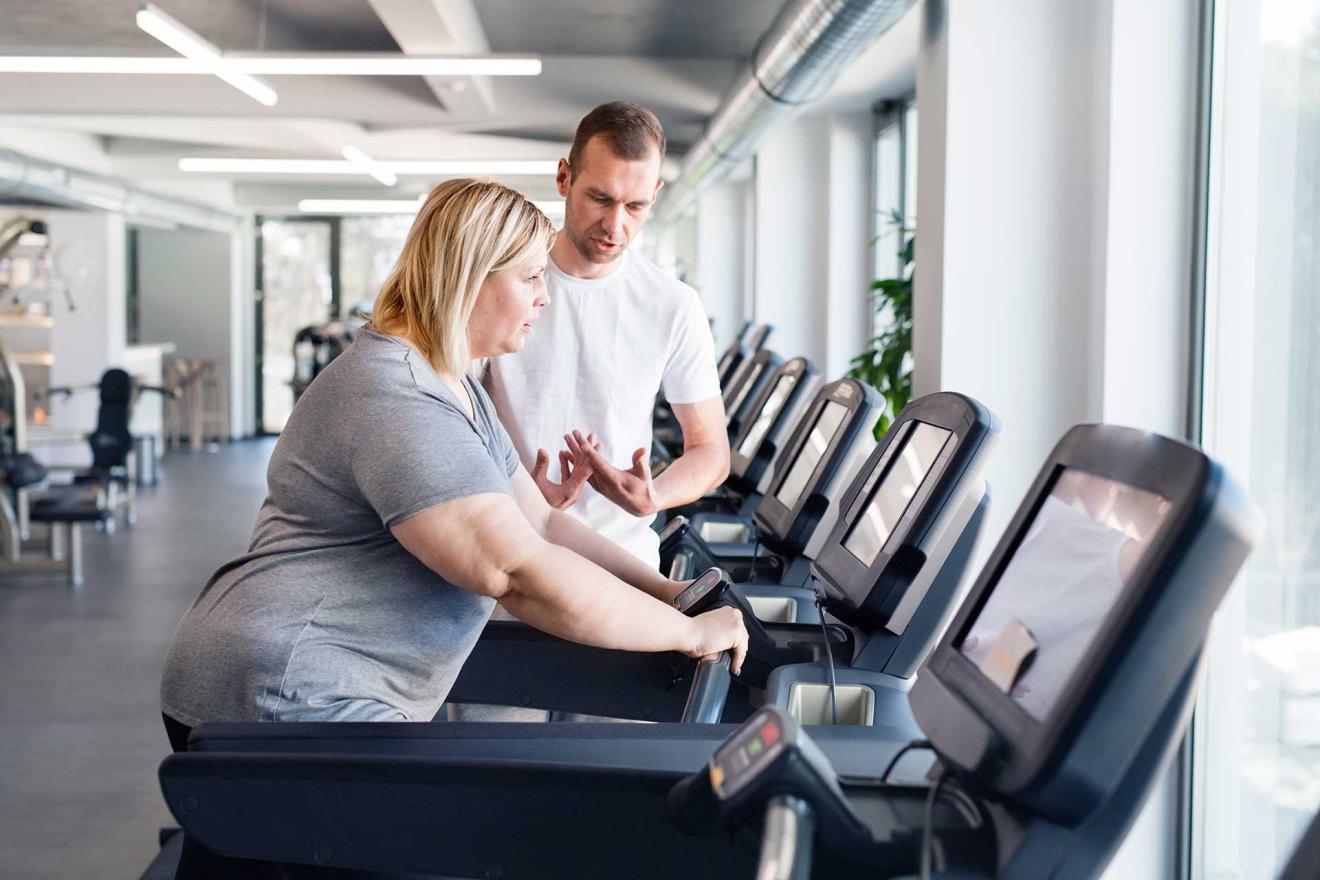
{"points": [[642, 270]]}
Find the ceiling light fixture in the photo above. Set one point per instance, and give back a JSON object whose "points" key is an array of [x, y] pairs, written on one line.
{"points": [[394, 206], [188, 44], [368, 165], [428, 167], [304, 64]]}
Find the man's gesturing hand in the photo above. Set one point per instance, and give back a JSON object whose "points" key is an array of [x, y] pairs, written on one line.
{"points": [[631, 489], [575, 473]]}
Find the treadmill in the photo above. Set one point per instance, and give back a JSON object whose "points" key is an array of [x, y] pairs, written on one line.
{"points": [[746, 386], [1051, 706], [771, 413], [890, 575], [784, 532], [668, 440]]}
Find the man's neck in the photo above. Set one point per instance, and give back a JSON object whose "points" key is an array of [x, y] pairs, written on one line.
{"points": [[571, 263]]}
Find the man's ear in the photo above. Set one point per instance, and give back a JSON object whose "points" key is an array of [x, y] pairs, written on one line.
{"points": [[563, 176], [659, 184]]}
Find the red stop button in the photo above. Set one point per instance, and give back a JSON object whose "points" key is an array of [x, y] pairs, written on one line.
{"points": [[769, 733]]}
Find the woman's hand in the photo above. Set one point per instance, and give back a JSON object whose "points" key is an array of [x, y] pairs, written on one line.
{"points": [[721, 629]]}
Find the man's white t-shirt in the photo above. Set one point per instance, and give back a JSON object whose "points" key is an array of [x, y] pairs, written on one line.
{"points": [[594, 361]]}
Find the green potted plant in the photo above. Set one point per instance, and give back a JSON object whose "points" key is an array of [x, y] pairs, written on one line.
{"points": [[886, 364]]}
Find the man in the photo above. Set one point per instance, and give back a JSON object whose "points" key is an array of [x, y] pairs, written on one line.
{"points": [[616, 332]]}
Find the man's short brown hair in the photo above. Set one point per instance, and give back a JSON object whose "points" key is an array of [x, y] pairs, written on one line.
{"points": [[630, 131]]}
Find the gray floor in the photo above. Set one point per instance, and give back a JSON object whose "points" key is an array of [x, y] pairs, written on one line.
{"points": [[79, 714]]}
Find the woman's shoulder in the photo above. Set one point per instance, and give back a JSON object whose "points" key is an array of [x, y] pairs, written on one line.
{"points": [[381, 368]]}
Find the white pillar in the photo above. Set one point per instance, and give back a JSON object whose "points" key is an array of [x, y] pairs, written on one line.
{"points": [[721, 225], [1054, 238], [89, 263], [812, 250]]}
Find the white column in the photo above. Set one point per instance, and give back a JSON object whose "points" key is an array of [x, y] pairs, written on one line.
{"points": [[1054, 238], [846, 268], [792, 175], [89, 264], [811, 249], [721, 227]]}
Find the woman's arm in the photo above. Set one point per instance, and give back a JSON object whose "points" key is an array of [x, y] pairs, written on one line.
{"points": [[560, 528], [484, 544]]}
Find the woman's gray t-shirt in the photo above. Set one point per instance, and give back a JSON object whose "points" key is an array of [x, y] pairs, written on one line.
{"points": [[327, 617]]}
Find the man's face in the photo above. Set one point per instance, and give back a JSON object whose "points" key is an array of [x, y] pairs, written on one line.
{"points": [[608, 201]]}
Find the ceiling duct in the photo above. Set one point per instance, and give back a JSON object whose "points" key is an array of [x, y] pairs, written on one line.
{"points": [[796, 61], [24, 179]]}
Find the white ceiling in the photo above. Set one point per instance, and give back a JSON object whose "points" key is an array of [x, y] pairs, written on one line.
{"points": [[674, 56]]}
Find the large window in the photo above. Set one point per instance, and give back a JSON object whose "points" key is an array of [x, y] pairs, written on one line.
{"points": [[894, 174], [368, 249], [314, 270], [1257, 740]]}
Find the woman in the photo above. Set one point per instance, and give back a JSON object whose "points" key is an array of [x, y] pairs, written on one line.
{"points": [[398, 513]]}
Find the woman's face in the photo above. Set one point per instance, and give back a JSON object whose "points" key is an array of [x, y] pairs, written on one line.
{"points": [[507, 305]]}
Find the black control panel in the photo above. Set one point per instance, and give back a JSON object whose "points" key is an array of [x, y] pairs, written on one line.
{"points": [[771, 754], [703, 593]]}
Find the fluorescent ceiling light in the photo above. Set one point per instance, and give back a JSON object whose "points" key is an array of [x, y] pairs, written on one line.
{"points": [[317, 64], [369, 165], [553, 207], [192, 46], [224, 165], [359, 206], [368, 64]]}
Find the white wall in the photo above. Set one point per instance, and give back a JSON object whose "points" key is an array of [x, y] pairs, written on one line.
{"points": [[89, 251], [811, 247], [190, 293], [720, 275]]}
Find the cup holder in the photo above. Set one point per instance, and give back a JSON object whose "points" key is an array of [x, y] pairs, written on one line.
{"points": [[773, 609], [810, 704]]}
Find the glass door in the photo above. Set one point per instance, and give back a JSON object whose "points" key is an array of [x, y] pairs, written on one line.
{"points": [[296, 289]]}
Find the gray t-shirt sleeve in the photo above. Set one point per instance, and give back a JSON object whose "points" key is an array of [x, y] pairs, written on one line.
{"points": [[503, 442], [416, 452]]}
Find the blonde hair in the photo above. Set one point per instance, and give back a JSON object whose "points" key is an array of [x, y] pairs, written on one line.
{"points": [[465, 231]]}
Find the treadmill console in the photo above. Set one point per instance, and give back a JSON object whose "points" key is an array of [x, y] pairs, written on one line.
{"points": [[704, 593], [1086, 619], [886, 535], [793, 507], [761, 429], [770, 754]]}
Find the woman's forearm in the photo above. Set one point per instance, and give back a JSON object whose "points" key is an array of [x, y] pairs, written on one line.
{"points": [[562, 593], [567, 532]]}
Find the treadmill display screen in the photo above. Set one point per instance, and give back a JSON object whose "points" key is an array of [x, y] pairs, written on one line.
{"points": [[827, 425], [746, 388], [1061, 585], [908, 469], [773, 404]]}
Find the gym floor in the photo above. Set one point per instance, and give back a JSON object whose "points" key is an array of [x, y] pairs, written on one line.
{"points": [[80, 717]]}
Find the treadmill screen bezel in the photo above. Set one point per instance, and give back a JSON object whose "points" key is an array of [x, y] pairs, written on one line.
{"points": [[1069, 683], [869, 594], [758, 366], [1171, 470], [796, 470], [781, 375], [909, 436], [775, 518]]}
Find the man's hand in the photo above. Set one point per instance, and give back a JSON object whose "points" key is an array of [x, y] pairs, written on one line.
{"points": [[575, 473], [631, 489]]}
